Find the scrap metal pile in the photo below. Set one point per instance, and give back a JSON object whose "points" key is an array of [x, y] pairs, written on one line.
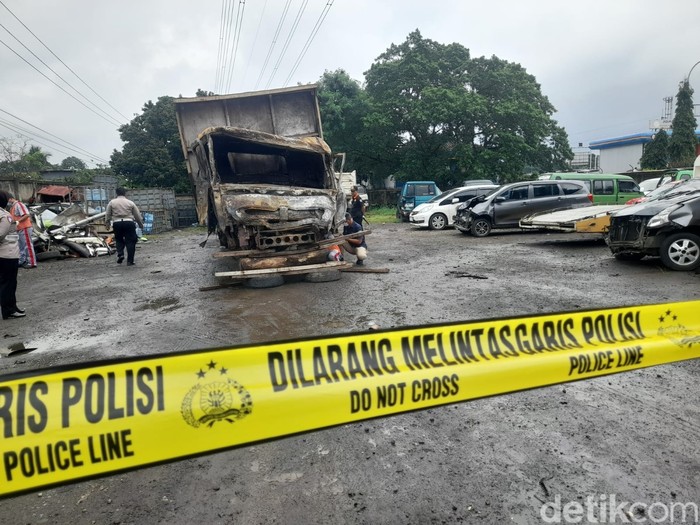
{"points": [[63, 230]]}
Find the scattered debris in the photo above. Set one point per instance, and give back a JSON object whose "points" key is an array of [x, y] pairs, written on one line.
{"points": [[364, 269], [63, 230], [544, 487], [465, 274], [16, 349]]}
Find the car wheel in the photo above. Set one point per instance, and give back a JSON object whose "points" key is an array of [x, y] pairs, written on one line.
{"points": [[438, 222], [481, 227], [681, 251], [627, 256]]}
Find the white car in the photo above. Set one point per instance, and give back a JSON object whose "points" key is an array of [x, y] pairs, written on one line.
{"points": [[439, 212], [649, 185]]}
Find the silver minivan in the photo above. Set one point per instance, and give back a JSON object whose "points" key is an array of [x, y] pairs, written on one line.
{"points": [[506, 206]]}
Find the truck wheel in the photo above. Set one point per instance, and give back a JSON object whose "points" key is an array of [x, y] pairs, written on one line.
{"points": [[481, 227], [437, 222], [681, 251], [323, 277]]}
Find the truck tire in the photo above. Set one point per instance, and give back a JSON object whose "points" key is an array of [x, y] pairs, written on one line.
{"points": [[681, 251], [322, 277]]}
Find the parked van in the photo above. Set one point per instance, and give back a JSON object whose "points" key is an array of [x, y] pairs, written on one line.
{"points": [[413, 193], [606, 188]]}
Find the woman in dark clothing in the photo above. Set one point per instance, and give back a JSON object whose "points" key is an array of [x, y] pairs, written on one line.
{"points": [[9, 262]]}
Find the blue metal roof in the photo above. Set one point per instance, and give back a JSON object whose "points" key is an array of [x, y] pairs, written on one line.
{"points": [[628, 140]]}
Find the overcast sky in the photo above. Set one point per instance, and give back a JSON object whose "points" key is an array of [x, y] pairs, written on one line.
{"points": [[606, 65]]}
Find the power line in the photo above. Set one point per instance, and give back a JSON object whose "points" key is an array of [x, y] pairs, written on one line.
{"points": [[227, 34], [15, 129], [59, 76], [221, 40], [314, 31], [85, 152], [255, 41], [285, 46], [55, 84], [274, 41], [237, 33], [64, 64]]}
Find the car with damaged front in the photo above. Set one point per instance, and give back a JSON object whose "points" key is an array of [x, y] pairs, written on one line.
{"points": [[439, 212], [667, 227], [504, 207]]}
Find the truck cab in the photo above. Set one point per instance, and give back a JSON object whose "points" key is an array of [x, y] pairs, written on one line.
{"points": [[263, 175]]}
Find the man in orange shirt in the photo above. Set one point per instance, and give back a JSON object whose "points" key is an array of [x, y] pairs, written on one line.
{"points": [[20, 214]]}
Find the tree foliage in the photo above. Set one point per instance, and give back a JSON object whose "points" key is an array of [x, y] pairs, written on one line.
{"points": [[72, 163], [343, 104], [655, 155], [433, 112], [152, 156], [683, 143], [19, 157]]}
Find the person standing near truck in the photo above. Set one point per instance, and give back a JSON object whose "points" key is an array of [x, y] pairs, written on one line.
{"points": [[20, 214], [124, 216], [357, 206]]}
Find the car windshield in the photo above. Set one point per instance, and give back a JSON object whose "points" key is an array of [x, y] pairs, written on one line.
{"points": [[441, 196], [686, 187]]}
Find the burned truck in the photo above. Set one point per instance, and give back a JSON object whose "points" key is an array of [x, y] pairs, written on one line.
{"points": [[263, 177]]}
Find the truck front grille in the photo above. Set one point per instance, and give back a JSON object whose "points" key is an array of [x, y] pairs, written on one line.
{"points": [[275, 240]]}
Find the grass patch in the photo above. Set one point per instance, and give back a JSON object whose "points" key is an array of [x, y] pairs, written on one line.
{"points": [[382, 214]]}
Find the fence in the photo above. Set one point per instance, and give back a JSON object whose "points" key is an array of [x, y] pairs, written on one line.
{"points": [[384, 198], [186, 211], [160, 203]]}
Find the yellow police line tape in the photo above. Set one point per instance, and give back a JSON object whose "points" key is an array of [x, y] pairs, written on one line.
{"points": [[71, 423]]}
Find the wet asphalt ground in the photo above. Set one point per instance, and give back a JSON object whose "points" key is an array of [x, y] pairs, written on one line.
{"points": [[498, 460]]}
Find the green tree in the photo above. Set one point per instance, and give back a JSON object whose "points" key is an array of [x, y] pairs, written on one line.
{"points": [[72, 163], [683, 143], [655, 155], [438, 114], [19, 157], [343, 104], [152, 156]]}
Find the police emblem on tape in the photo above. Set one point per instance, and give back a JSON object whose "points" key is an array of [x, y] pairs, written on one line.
{"points": [[671, 328], [215, 398]]}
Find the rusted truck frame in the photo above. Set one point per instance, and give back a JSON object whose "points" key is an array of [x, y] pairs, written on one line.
{"points": [[263, 176]]}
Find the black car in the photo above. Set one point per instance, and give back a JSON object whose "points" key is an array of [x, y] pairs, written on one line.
{"points": [[668, 227]]}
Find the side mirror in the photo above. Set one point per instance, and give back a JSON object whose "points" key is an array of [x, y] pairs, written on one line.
{"points": [[455, 200], [500, 199]]}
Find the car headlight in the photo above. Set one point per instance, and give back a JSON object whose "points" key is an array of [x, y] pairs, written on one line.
{"points": [[462, 206], [661, 218], [409, 205]]}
